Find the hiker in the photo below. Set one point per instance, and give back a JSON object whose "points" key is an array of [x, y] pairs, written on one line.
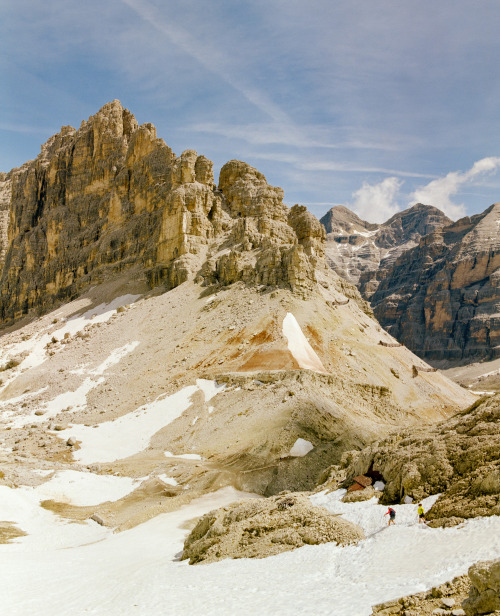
{"points": [[392, 515], [421, 514]]}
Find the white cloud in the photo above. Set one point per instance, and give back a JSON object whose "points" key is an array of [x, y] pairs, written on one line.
{"points": [[344, 168], [439, 192], [377, 202]]}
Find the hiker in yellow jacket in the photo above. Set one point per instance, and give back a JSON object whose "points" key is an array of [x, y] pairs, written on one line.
{"points": [[421, 514]]}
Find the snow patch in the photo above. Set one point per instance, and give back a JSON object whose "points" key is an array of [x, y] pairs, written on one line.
{"points": [[84, 489], [168, 480], [185, 456], [210, 388], [131, 433], [35, 345], [76, 400], [301, 448], [299, 347]]}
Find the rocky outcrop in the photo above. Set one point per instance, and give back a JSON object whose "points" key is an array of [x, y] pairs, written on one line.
{"points": [[474, 594], [442, 298], [484, 596], [443, 600], [257, 528], [361, 252], [97, 200], [459, 458], [110, 195]]}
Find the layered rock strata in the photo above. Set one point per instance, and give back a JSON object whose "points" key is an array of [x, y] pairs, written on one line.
{"points": [[111, 194], [361, 252], [442, 298]]}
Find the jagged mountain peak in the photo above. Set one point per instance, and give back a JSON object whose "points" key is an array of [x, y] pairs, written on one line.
{"points": [[112, 194], [356, 249], [341, 220]]}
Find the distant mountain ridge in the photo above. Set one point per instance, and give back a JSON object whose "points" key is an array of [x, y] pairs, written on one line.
{"points": [[433, 283], [361, 251], [442, 297]]}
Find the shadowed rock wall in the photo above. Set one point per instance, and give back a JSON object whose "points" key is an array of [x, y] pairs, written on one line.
{"points": [[442, 298]]}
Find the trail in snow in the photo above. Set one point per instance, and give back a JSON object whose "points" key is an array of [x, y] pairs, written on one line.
{"points": [[139, 572]]}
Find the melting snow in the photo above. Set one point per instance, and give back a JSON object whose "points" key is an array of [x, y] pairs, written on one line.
{"points": [[210, 388], [185, 456], [131, 433], [84, 489], [75, 400], [298, 345], [168, 480], [301, 448]]}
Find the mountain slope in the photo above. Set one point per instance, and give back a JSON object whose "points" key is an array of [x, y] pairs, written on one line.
{"points": [[216, 347]]}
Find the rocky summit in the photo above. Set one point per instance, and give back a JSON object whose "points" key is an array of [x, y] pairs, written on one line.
{"points": [[110, 195], [361, 252]]}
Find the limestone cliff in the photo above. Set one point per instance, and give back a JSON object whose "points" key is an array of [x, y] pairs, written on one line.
{"points": [[111, 194], [361, 252], [442, 298], [5, 195]]}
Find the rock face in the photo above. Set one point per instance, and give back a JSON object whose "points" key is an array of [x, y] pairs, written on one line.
{"points": [[482, 585], [459, 458], [442, 298], [361, 252], [484, 596], [5, 196], [258, 528], [110, 195], [442, 600]]}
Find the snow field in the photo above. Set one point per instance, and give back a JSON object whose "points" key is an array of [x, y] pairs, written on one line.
{"points": [[85, 489], [131, 433], [299, 347], [138, 571]]}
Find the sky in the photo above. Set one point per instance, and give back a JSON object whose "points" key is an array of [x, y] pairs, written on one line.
{"points": [[372, 105]]}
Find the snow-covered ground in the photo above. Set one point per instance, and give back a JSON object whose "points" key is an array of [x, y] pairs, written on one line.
{"points": [[131, 433], [90, 570]]}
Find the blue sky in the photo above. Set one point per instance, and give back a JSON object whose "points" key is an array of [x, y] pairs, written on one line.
{"points": [[372, 104]]}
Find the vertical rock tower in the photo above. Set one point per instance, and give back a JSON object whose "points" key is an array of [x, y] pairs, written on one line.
{"points": [[110, 195]]}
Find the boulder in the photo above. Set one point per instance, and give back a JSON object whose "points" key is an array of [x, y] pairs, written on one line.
{"points": [[256, 528], [484, 596]]}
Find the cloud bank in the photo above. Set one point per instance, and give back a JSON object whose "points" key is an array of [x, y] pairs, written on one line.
{"points": [[378, 202], [439, 192]]}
